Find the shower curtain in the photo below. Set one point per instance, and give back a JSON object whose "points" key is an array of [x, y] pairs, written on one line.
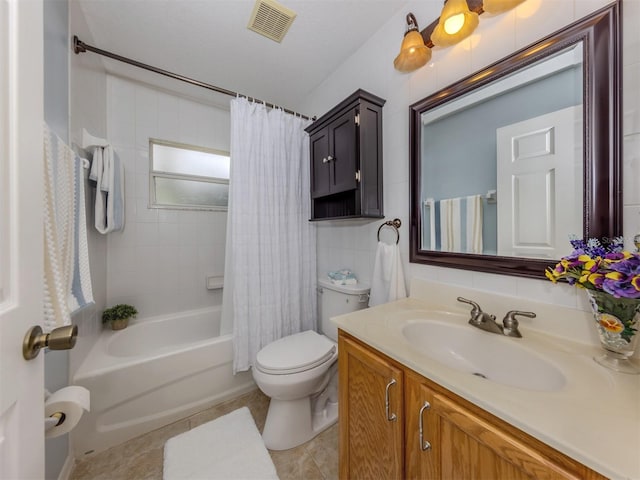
{"points": [[270, 265]]}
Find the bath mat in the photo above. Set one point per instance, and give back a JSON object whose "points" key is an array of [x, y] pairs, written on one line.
{"points": [[229, 447]]}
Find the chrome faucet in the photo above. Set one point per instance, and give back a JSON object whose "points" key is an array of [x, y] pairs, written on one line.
{"points": [[480, 319], [488, 323], [511, 323]]}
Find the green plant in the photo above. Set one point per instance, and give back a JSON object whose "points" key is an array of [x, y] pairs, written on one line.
{"points": [[118, 312]]}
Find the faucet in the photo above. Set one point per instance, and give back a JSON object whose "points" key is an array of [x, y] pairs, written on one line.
{"points": [[488, 323], [480, 319], [511, 323]]}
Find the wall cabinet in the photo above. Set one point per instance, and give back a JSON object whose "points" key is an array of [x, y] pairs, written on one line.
{"points": [[396, 424], [346, 159]]}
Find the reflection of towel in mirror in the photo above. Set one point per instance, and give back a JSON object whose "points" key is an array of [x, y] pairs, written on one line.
{"points": [[461, 224], [387, 283]]}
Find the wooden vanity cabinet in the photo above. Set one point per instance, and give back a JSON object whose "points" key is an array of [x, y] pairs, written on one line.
{"points": [[346, 159], [458, 441]]}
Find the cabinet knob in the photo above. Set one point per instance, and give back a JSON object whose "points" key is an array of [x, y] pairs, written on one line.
{"points": [[325, 160]]}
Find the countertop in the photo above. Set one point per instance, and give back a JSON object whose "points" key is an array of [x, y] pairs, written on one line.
{"points": [[594, 418]]}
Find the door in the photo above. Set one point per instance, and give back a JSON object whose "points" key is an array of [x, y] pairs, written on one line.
{"points": [[320, 173], [370, 414], [423, 446], [539, 170], [21, 238], [344, 147]]}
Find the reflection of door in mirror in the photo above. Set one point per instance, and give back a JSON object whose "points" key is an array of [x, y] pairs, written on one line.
{"points": [[539, 187], [462, 161]]}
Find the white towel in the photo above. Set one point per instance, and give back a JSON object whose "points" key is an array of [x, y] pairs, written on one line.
{"points": [[387, 283], [474, 224], [67, 278], [108, 173], [450, 232]]}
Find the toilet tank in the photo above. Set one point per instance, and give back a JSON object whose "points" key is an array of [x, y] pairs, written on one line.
{"points": [[334, 300]]}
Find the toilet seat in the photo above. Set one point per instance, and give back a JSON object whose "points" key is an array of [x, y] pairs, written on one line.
{"points": [[295, 353]]}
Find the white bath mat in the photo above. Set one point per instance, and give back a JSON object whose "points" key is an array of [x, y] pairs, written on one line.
{"points": [[229, 447]]}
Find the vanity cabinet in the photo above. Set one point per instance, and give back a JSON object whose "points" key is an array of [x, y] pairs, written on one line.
{"points": [[346, 159], [428, 432]]}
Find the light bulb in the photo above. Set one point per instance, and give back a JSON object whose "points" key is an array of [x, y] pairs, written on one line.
{"points": [[453, 24]]}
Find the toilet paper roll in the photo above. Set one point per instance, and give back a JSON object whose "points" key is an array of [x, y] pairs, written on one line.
{"points": [[71, 402]]}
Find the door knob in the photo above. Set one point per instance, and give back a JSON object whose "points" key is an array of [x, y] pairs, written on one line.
{"points": [[61, 338]]}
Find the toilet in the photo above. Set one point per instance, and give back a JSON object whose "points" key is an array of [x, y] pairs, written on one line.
{"points": [[299, 372]]}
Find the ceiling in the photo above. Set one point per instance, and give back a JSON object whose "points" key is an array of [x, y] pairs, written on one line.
{"points": [[208, 40]]}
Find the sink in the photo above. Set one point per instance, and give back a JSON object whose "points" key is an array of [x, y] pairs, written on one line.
{"points": [[487, 355]]}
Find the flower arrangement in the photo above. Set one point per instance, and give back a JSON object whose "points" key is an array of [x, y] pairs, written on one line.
{"points": [[611, 277], [600, 265]]}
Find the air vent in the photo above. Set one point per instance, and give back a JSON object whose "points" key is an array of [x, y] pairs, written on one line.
{"points": [[271, 19]]}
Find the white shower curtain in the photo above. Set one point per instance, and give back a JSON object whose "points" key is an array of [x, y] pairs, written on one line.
{"points": [[270, 266]]}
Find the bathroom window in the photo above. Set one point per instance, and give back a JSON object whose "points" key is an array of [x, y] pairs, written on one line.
{"points": [[188, 177]]}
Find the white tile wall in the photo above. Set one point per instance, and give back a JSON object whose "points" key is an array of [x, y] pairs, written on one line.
{"points": [[160, 261], [495, 38]]}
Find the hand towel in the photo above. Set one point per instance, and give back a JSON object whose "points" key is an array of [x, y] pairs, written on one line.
{"points": [[387, 283], [474, 224], [108, 173], [450, 231], [67, 277]]}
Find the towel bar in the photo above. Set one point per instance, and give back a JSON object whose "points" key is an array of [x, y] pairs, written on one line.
{"points": [[395, 223]]}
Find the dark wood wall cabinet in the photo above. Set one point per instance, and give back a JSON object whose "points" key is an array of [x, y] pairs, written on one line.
{"points": [[346, 159]]}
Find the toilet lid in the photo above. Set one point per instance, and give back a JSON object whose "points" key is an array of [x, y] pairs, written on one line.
{"points": [[295, 353]]}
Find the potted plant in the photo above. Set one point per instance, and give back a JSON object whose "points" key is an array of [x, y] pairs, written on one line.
{"points": [[118, 316]]}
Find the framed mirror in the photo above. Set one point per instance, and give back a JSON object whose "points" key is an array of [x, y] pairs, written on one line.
{"points": [[509, 162]]}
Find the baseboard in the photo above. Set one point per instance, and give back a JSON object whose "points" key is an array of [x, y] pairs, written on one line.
{"points": [[67, 468]]}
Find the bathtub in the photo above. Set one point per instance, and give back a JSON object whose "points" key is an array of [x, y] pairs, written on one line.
{"points": [[156, 371]]}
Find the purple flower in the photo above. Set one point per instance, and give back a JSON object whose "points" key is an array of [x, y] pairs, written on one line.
{"points": [[620, 288]]}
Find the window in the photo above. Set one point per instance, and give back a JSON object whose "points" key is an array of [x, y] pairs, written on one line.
{"points": [[188, 177]]}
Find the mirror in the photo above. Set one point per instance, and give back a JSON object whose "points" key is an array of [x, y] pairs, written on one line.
{"points": [[509, 162]]}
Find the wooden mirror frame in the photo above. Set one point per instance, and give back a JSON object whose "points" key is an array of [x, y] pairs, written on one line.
{"points": [[602, 139]]}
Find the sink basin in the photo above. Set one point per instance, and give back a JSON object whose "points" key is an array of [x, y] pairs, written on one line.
{"points": [[486, 355]]}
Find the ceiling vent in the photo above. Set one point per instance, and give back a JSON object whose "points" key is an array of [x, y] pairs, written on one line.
{"points": [[271, 19]]}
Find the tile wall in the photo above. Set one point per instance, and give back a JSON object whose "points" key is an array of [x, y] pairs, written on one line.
{"points": [[160, 261]]}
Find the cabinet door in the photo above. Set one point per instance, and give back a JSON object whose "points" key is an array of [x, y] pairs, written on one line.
{"points": [[370, 414], [472, 447], [422, 426], [343, 143], [320, 179]]}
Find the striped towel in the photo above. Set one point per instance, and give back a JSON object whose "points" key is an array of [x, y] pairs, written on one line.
{"points": [[461, 224], [67, 277]]}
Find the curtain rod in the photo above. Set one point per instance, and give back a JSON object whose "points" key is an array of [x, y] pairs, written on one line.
{"points": [[79, 47]]}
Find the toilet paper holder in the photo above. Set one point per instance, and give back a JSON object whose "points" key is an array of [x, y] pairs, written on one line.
{"points": [[61, 338]]}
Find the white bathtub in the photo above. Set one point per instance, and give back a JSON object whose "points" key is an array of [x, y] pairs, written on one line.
{"points": [[152, 373]]}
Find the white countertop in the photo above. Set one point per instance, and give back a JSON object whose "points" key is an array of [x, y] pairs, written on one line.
{"points": [[594, 418]]}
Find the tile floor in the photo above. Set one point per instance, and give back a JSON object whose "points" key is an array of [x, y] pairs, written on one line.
{"points": [[141, 457]]}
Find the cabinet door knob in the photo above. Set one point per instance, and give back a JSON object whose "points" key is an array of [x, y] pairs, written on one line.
{"points": [[424, 445], [330, 158], [390, 417], [324, 160]]}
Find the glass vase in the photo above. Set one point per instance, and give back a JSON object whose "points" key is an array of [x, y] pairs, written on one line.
{"points": [[617, 321]]}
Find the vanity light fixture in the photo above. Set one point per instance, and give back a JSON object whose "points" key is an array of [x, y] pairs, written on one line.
{"points": [[458, 20], [456, 23], [494, 7], [413, 52]]}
